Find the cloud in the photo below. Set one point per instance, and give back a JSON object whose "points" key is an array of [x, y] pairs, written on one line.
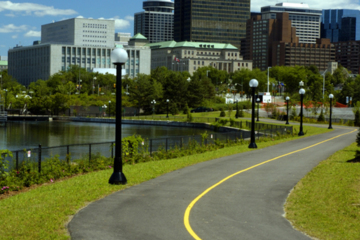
{"points": [[14, 36], [120, 23], [34, 9], [130, 18], [32, 33], [12, 28], [10, 15]]}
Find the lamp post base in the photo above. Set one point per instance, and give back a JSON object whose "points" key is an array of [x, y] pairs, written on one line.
{"points": [[117, 178], [252, 145], [301, 133], [330, 127]]}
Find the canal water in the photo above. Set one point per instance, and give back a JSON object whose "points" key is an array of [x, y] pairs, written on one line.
{"points": [[26, 135]]}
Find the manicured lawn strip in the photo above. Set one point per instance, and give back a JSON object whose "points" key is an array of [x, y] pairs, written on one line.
{"points": [[42, 213], [326, 203]]}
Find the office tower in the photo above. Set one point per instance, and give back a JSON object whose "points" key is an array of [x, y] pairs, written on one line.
{"points": [[273, 42], [156, 23], [340, 25], [348, 55], [80, 31], [304, 19], [221, 21]]}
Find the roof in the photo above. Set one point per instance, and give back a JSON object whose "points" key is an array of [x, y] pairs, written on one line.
{"points": [[205, 45], [3, 63], [138, 36]]}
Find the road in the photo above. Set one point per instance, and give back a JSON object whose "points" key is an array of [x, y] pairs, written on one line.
{"points": [[234, 197]]}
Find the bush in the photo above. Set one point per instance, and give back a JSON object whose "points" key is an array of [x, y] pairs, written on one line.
{"points": [[222, 113], [357, 118], [219, 100], [321, 117]]}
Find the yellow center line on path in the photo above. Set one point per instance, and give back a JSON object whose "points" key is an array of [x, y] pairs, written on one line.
{"points": [[191, 205]]}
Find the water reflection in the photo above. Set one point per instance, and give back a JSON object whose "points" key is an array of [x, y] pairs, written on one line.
{"points": [[20, 135]]}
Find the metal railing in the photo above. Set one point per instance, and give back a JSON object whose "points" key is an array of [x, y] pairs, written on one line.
{"points": [[149, 146]]}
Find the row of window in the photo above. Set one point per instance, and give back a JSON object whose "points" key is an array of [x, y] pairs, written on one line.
{"points": [[85, 51], [94, 25]]}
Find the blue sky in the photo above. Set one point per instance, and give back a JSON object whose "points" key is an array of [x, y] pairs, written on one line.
{"points": [[20, 21]]}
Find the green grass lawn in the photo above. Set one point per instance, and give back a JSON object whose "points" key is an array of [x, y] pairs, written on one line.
{"points": [[326, 203], [42, 212]]}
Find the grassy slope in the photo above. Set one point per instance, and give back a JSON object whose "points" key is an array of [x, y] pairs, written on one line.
{"points": [[326, 203], [42, 213]]}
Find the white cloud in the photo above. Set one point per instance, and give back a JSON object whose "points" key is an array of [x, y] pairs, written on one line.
{"points": [[80, 16], [34, 9], [120, 23], [14, 36], [130, 18], [10, 15], [32, 33], [329, 4], [12, 28]]}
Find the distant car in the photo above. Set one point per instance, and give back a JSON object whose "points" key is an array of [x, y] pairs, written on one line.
{"points": [[202, 109]]}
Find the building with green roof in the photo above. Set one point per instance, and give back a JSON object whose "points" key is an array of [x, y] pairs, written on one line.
{"points": [[189, 56]]}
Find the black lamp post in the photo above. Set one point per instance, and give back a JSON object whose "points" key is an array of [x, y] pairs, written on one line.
{"points": [[287, 109], [153, 102], [331, 96], [237, 109], [6, 91], [253, 84], [109, 109], [301, 92], [118, 57], [167, 108], [258, 103]]}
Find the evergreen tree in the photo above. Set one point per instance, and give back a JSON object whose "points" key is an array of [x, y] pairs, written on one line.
{"points": [[222, 113]]}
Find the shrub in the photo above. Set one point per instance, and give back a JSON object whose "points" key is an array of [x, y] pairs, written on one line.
{"points": [[357, 118], [232, 122], [321, 117], [222, 113]]}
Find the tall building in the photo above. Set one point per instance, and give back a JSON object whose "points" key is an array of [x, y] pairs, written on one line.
{"points": [[348, 55], [77, 44], [340, 25], [217, 21], [274, 42], [80, 32], [190, 56], [304, 19], [156, 23]]}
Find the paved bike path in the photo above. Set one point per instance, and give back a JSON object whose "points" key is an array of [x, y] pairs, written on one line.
{"points": [[248, 205]]}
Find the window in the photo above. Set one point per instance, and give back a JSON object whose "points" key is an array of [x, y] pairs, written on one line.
{"points": [[63, 50], [68, 50], [74, 51]]}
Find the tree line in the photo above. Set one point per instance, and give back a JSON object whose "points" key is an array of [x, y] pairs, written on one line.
{"points": [[206, 87]]}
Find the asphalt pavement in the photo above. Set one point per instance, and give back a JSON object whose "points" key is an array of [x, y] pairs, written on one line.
{"points": [[246, 205]]}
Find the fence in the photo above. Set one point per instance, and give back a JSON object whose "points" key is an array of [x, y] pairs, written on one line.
{"points": [[107, 149]]}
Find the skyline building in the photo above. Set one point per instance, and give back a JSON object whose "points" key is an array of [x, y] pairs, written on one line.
{"points": [[156, 23], [217, 21], [340, 25], [190, 56], [80, 32], [307, 21], [273, 42]]}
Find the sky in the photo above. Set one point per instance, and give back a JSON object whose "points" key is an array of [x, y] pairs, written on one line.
{"points": [[20, 21]]}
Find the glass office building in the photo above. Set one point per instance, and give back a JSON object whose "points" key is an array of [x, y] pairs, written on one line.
{"points": [[156, 23], [340, 25], [219, 21]]}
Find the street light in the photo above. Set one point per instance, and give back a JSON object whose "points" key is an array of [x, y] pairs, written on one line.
{"points": [[109, 109], [331, 96], [324, 84], [287, 109], [94, 79], [253, 84], [268, 83], [301, 92], [6, 91], [167, 110], [118, 58], [237, 109], [258, 102], [1, 80], [153, 102]]}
